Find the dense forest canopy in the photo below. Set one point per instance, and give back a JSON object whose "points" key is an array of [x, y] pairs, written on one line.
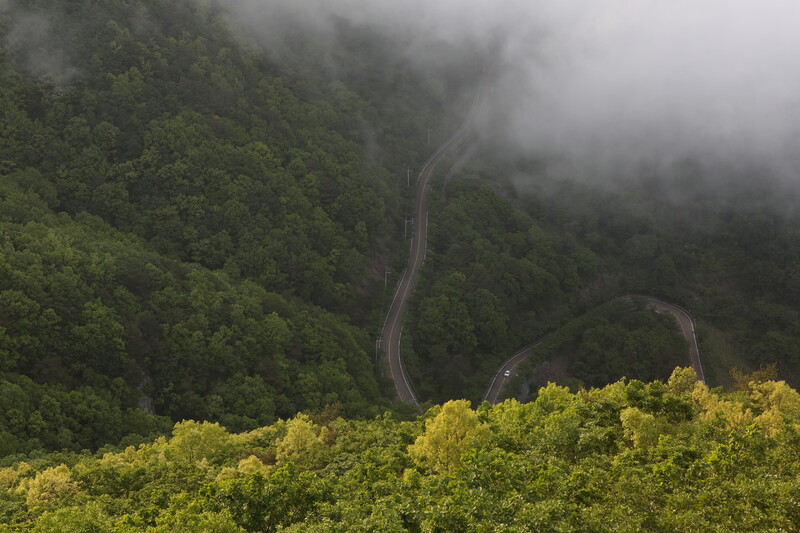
{"points": [[519, 254], [721, 241], [199, 222], [192, 223], [631, 456]]}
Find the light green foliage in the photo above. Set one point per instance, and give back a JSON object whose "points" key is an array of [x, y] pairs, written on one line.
{"points": [[641, 428], [301, 444], [682, 381], [779, 404], [48, 486], [194, 441], [610, 459], [251, 465], [189, 517], [448, 435], [88, 518]]}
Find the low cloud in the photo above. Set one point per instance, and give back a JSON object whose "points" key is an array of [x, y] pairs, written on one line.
{"points": [[664, 81], [606, 81], [593, 84], [30, 38]]}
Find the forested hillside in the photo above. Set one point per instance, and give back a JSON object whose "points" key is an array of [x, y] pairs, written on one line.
{"points": [[630, 456], [203, 221], [495, 280], [195, 221], [521, 252], [720, 240]]}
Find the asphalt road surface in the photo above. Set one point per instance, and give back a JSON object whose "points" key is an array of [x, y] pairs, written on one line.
{"points": [[687, 328], [393, 325], [510, 366], [685, 321]]}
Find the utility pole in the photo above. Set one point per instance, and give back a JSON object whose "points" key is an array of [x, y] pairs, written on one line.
{"points": [[386, 278], [405, 227], [378, 343]]}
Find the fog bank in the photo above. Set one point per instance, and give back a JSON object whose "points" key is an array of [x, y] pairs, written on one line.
{"points": [[605, 82]]}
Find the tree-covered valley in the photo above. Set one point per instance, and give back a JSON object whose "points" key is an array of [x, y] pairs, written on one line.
{"points": [[202, 221]]}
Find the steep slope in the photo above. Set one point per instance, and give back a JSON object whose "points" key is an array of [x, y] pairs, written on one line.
{"points": [[192, 218]]}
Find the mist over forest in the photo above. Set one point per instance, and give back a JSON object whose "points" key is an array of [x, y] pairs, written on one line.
{"points": [[207, 208], [601, 84]]}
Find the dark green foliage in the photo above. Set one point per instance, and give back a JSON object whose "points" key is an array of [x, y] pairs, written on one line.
{"points": [[85, 305], [720, 242], [187, 223], [195, 222], [624, 342], [40, 416], [184, 140], [497, 281]]}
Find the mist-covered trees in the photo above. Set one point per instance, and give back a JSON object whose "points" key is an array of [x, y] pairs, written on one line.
{"points": [[192, 222], [719, 241], [175, 133], [727, 252]]}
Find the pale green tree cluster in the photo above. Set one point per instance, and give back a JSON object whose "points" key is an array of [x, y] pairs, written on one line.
{"points": [[631, 456]]}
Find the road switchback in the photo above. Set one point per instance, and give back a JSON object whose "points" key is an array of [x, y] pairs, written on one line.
{"points": [[685, 320]]}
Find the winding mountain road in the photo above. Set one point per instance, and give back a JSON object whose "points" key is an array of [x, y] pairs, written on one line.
{"points": [[687, 328], [393, 325], [392, 331], [685, 320], [506, 370]]}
